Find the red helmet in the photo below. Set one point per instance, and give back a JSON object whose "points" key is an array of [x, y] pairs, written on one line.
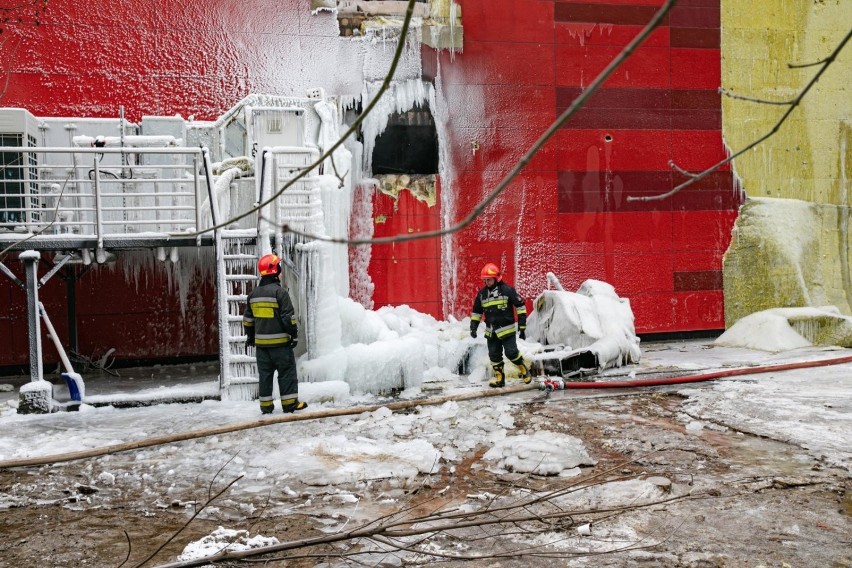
{"points": [[269, 264], [490, 270]]}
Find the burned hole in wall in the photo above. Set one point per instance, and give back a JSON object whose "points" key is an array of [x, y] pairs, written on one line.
{"points": [[409, 144]]}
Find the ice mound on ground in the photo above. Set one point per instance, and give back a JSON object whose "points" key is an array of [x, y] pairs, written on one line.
{"points": [[542, 453], [782, 329]]}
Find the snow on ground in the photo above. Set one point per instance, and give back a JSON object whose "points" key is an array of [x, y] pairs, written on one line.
{"points": [[811, 408]]}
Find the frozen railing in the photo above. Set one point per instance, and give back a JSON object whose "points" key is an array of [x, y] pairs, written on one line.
{"points": [[97, 192]]}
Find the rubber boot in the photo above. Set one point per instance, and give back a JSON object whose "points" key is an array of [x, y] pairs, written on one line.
{"points": [[499, 379], [292, 405], [524, 373]]}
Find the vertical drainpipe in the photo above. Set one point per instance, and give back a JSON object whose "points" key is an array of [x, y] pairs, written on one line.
{"points": [[30, 259]]}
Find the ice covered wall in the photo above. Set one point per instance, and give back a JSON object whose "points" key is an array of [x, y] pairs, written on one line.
{"points": [[794, 253]]}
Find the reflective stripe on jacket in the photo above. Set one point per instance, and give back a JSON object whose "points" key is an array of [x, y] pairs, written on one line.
{"points": [[269, 317], [495, 305]]}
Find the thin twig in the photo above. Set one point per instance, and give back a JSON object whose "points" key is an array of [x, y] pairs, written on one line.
{"points": [[186, 524], [328, 153], [575, 106], [826, 63]]}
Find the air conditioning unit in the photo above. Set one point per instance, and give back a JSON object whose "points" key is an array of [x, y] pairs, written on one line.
{"points": [[20, 208], [278, 126]]}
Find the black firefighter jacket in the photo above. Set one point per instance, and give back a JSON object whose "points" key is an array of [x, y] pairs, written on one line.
{"points": [[269, 318], [495, 306]]}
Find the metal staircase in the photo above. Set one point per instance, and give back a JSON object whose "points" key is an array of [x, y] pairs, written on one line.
{"points": [[236, 259]]}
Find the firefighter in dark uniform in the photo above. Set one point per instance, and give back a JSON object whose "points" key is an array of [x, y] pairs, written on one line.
{"points": [[497, 303], [271, 327]]}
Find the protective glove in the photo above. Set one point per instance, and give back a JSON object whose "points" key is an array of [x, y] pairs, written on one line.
{"points": [[294, 342], [473, 333], [522, 334]]}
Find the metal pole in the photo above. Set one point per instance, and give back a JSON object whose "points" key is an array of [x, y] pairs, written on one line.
{"points": [[30, 259]]}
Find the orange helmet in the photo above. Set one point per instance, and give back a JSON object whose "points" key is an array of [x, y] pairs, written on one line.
{"points": [[490, 270], [269, 264]]}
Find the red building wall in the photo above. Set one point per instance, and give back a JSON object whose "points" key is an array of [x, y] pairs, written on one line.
{"points": [[523, 62]]}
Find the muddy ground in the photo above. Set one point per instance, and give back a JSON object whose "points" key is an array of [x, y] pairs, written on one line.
{"points": [[741, 501]]}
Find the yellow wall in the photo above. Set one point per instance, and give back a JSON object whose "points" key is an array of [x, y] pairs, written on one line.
{"points": [[776, 258], [810, 157]]}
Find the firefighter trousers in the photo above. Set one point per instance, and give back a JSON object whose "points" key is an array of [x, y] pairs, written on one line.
{"points": [[497, 346], [281, 359]]}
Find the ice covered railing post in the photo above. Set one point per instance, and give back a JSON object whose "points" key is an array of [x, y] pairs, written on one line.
{"points": [[300, 207]]}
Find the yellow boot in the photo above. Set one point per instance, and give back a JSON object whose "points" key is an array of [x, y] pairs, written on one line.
{"points": [[524, 373], [499, 379]]}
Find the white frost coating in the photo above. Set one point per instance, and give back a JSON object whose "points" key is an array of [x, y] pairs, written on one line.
{"points": [[222, 195], [336, 211], [783, 329], [390, 349], [361, 284], [400, 97], [773, 218], [594, 319], [224, 540], [336, 191], [196, 264], [447, 180], [542, 453]]}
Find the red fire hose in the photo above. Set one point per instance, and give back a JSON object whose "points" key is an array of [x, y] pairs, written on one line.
{"points": [[692, 378]]}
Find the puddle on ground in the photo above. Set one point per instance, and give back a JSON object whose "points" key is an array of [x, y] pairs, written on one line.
{"points": [[779, 458]]}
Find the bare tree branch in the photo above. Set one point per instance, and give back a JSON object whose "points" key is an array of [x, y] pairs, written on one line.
{"points": [[826, 63], [186, 524], [575, 106], [329, 152]]}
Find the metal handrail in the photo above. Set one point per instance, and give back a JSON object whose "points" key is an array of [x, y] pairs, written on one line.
{"points": [[55, 194]]}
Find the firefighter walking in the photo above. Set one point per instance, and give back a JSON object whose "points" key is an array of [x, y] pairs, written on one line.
{"points": [[497, 303], [271, 327]]}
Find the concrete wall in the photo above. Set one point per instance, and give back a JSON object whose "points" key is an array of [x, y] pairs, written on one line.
{"points": [[808, 159]]}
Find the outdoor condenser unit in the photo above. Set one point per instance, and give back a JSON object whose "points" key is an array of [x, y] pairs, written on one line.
{"points": [[19, 194], [278, 126]]}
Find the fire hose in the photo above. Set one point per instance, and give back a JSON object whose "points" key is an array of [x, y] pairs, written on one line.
{"points": [[547, 383]]}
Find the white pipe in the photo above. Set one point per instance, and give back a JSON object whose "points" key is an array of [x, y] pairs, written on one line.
{"points": [[52, 332]]}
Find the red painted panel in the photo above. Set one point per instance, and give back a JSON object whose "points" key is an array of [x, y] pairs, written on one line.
{"points": [[698, 260], [605, 13], [500, 106], [646, 67], [697, 150], [607, 34], [694, 17], [574, 269], [614, 2], [699, 310], [696, 119], [611, 98], [702, 230], [588, 150], [695, 68], [640, 232], [643, 272], [496, 148], [697, 38], [581, 233], [654, 312], [529, 192], [498, 20], [695, 280], [405, 280], [494, 63]]}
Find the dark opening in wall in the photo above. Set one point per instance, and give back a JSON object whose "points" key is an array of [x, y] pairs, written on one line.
{"points": [[409, 144]]}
